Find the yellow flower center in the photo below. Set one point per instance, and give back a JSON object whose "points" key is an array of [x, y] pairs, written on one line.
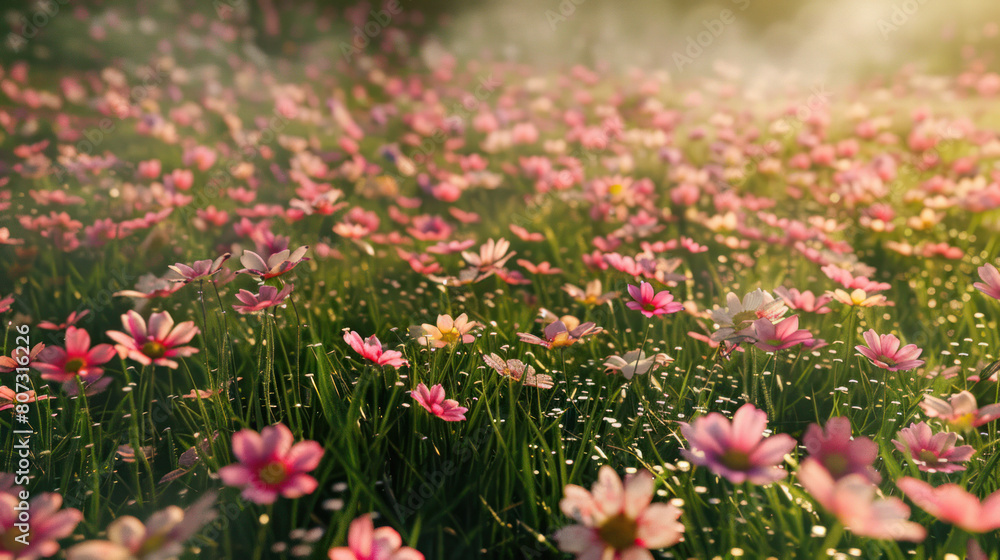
{"points": [[619, 532], [451, 336], [562, 339], [273, 473], [154, 349], [963, 422]]}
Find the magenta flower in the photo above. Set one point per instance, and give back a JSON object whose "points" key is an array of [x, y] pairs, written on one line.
{"points": [[616, 520], [883, 350], [156, 344], [952, 504], [267, 296], [932, 452], [269, 465], [275, 265], [77, 359], [48, 524], [737, 450], [990, 284], [852, 500], [433, 400], [371, 349], [365, 542], [649, 303], [834, 449], [960, 411], [772, 337]]}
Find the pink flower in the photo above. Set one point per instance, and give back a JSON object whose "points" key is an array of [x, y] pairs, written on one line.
{"points": [[162, 536], [150, 286], [591, 295], [558, 335], [772, 337], [70, 321], [156, 344], [851, 282], [540, 268], [8, 397], [932, 452], [77, 359], [365, 542], [616, 520], [952, 504], [883, 350], [492, 255], [834, 449], [5, 303], [48, 525], [371, 349], [17, 358], [197, 270], [858, 298], [960, 410], [267, 296], [433, 400], [448, 331], [737, 450], [269, 465], [804, 301], [516, 370], [650, 304], [852, 500], [150, 169], [275, 265], [990, 284]]}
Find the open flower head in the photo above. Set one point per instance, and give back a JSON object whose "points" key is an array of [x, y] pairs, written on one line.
{"points": [[852, 500], [616, 520], [447, 331], [269, 464], [737, 450], [365, 542], [960, 411], [932, 452], [953, 504], [434, 402], [839, 453], [883, 351], [157, 343]]}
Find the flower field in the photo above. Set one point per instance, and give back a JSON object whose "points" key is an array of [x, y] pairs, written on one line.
{"points": [[388, 301]]}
